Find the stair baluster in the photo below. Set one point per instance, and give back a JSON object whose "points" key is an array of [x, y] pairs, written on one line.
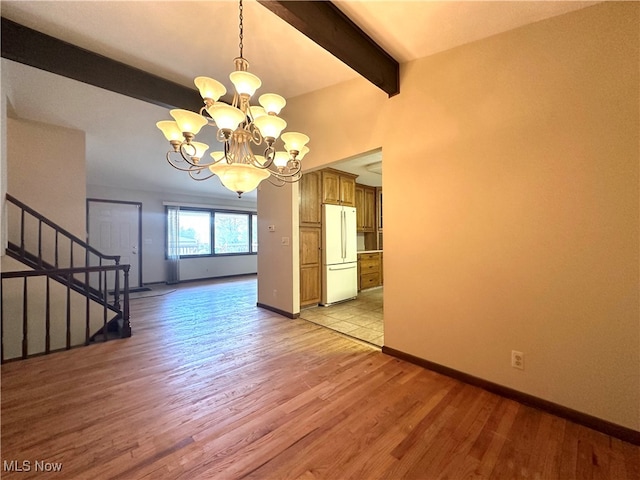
{"points": [[25, 322], [73, 278]]}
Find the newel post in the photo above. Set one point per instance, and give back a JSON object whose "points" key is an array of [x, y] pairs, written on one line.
{"points": [[126, 324], [116, 286]]}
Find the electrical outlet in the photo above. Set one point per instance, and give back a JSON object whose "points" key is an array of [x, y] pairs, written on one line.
{"points": [[517, 359]]}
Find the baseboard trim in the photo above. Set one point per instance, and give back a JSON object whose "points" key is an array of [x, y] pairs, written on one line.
{"points": [[603, 426], [278, 311], [221, 278]]}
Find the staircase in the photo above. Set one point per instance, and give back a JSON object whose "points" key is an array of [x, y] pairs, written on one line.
{"points": [[69, 295]]}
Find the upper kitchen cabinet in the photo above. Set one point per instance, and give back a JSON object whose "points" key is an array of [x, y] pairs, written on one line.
{"points": [[366, 208], [311, 199], [359, 207], [338, 188]]}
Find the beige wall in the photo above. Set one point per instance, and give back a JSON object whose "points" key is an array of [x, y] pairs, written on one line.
{"points": [[46, 170], [278, 263], [511, 172]]}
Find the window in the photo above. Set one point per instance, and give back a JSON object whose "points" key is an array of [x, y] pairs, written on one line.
{"points": [[210, 232], [254, 233], [231, 233], [195, 232]]}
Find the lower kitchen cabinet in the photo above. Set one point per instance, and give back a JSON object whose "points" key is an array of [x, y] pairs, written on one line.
{"points": [[310, 288], [310, 264], [369, 270]]}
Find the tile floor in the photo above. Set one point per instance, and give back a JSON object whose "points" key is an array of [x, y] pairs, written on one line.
{"points": [[360, 318]]}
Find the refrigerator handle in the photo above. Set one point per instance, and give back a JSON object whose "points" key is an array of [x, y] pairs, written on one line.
{"points": [[346, 237], [346, 266], [344, 234]]}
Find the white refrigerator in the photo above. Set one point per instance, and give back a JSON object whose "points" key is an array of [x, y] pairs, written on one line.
{"points": [[339, 254]]}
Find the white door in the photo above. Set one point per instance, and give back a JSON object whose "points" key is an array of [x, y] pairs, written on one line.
{"points": [[114, 229]]}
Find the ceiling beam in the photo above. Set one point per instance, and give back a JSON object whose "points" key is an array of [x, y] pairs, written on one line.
{"points": [[24, 45], [326, 25]]}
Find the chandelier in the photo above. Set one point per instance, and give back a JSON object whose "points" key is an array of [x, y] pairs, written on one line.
{"points": [[240, 128]]}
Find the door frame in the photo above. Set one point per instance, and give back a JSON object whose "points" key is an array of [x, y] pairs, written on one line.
{"points": [[139, 205]]}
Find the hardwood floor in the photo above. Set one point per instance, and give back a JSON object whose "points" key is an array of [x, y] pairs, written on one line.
{"points": [[212, 387]]}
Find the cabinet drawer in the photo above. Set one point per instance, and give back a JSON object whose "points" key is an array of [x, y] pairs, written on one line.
{"points": [[370, 266], [368, 280], [368, 256]]}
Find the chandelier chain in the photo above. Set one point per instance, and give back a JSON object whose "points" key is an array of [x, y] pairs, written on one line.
{"points": [[241, 29]]}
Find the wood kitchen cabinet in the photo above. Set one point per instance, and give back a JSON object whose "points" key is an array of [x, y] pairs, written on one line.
{"points": [[369, 270], [310, 212], [311, 199], [359, 206], [338, 188], [365, 208], [310, 266], [369, 210]]}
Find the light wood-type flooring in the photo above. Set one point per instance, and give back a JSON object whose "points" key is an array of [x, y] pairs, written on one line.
{"points": [[212, 387]]}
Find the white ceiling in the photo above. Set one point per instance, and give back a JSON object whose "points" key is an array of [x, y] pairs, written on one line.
{"points": [[181, 40]]}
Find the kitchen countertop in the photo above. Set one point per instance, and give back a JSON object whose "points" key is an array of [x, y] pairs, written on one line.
{"points": [[369, 251]]}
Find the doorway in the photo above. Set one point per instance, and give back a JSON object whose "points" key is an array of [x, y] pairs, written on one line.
{"points": [[362, 317], [115, 228]]}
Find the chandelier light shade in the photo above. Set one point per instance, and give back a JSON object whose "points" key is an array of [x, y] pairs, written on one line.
{"points": [[281, 159], [200, 148], [209, 88], [188, 122], [295, 141], [170, 130], [270, 126], [257, 111], [225, 116], [303, 152], [245, 83], [241, 128], [240, 176], [272, 103]]}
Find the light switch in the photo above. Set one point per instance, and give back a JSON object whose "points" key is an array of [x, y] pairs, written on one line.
{"points": [[272, 228]]}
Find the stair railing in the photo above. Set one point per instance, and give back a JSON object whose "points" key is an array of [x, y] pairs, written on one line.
{"points": [[55, 253], [68, 274], [30, 247]]}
